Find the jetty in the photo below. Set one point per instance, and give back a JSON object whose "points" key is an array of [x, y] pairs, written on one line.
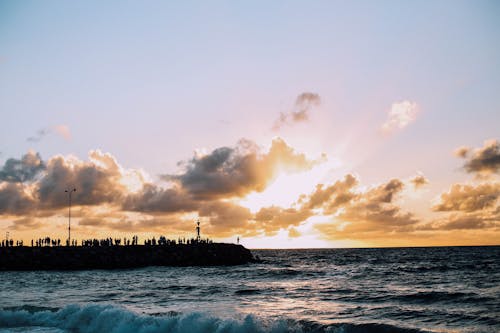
{"points": [[123, 256]]}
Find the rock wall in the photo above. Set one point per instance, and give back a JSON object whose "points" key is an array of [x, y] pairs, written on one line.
{"points": [[110, 257]]}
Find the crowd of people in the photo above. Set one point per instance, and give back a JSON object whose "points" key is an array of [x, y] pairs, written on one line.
{"points": [[9, 243], [161, 241]]}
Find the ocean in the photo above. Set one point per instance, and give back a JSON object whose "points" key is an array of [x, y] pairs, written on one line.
{"points": [[443, 289]]}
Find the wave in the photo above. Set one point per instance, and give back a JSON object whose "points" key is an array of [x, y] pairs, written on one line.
{"points": [[113, 319]]}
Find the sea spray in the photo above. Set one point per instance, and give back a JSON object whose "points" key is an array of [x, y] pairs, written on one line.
{"points": [[113, 319]]}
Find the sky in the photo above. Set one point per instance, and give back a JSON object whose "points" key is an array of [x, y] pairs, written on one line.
{"points": [[287, 124]]}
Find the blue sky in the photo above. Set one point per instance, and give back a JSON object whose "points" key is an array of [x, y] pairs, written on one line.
{"points": [[150, 82]]}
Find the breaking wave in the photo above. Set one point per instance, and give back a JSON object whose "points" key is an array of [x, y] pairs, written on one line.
{"points": [[113, 319]]}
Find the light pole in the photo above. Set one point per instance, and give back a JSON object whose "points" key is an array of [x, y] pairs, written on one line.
{"points": [[69, 214], [198, 238]]}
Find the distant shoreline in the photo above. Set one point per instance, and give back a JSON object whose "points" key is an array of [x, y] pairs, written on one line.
{"points": [[362, 248]]}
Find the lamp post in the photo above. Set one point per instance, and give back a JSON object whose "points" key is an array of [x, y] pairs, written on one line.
{"points": [[69, 213], [198, 238]]}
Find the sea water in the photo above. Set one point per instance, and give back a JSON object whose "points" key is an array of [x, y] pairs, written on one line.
{"points": [[447, 289]]}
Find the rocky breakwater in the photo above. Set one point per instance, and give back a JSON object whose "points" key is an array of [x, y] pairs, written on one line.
{"points": [[111, 257]]}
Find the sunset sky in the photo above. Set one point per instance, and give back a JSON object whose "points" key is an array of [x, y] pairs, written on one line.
{"points": [[287, 123]]}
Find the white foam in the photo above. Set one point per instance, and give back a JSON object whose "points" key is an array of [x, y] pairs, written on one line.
{"points": [[112, 319]]}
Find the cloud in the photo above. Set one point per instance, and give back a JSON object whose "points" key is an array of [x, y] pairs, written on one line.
{"points": [[360, 213], [293, 233], [471, 207], [31, 184], [418, 181], [377, 205], [331, 197], [400, 115], [469, 221], [203, 189], [15, 199], [488, 219], [141, 223], [304, 103], [226, 218], [22, 170], [62, 130], [235, 172], [484, 161], [349, 203], [271, 219], [155, 199], [209, 186], [26, 223], [40, 134], [469, 198], [97, 181], [462, 151]]}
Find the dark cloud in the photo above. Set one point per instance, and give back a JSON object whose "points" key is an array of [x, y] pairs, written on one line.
{"points": [[209, 187], [155, 199], [226, 218], [304, 103], [40, 134], [384, 193], [483, 161], [96, 182], [235, 172], [14, 199], [203, 188], [469, 198], [22, 170]]}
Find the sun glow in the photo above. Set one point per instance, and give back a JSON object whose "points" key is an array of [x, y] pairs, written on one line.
{"points": [[287, 188], [300, 237]]}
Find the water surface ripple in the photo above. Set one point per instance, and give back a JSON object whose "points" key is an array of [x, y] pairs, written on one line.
{"points": [[448, 289]]}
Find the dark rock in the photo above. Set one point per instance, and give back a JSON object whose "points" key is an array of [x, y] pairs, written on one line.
{"points": [[111, 257]]}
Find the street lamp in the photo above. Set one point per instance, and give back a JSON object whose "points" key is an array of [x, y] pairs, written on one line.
{"points": [[69, 214]]}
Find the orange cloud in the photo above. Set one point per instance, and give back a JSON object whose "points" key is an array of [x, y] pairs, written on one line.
{"points": [[469, 198], [64, 131], [235, 172], [32, 198], [419, 181]]}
